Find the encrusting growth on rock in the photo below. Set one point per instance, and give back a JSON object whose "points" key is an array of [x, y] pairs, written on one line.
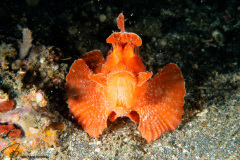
{"points": [[121, 86], [25, 44]]}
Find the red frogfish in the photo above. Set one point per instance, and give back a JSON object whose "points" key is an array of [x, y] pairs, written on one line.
{"points": [[99, 90]]}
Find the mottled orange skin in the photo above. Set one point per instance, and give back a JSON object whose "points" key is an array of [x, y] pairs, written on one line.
{"points": [[98, 90]]}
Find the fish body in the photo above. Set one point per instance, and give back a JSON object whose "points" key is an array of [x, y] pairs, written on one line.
{"points": [[98, 90]]}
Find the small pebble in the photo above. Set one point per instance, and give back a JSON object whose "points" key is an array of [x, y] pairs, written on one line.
{"points": [[39, 97], [203, 113], [185, 151], [42, 59], [97, 149], [195, 66], [102, 18], [56, 67], [98, 142]]}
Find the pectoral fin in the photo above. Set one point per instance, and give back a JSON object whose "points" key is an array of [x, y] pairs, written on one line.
{"points": [[87, 105], [94, 60], [160, 109]]}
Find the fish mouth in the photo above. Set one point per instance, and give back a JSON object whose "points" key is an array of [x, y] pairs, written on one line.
{"points": [[133, 115]]}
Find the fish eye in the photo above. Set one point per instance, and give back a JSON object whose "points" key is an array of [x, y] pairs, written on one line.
{"points": [[136, 50]]}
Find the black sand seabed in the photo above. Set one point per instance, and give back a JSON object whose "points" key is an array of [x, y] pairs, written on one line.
{"points": [[201, 37]]}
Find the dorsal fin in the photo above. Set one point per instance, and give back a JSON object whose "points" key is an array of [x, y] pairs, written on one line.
{"points": [[120, 21]]}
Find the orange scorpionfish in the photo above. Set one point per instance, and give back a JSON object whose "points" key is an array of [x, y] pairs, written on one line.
{"points": [[121, 86]]}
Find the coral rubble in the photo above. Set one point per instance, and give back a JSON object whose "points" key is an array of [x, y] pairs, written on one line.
{"points": [[25, 122]]}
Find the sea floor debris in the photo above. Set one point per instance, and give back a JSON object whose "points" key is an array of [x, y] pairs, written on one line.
{"points": [[28, 126], [25, 122]]}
